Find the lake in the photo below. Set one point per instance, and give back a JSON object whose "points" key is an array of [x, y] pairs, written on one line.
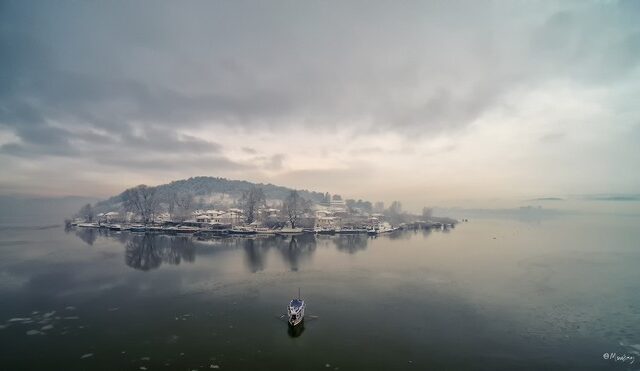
{"points": [[555, 293]]}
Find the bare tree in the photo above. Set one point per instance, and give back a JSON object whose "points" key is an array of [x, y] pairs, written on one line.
{"points": [[171, 204], [180, 204], [141, 200], [294, 207], [427, 213], [378, 207], [395, 208], [251, 200], [87, 213]]}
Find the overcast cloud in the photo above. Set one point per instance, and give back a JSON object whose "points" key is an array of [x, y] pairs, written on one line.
{"points": [[426, 102]]}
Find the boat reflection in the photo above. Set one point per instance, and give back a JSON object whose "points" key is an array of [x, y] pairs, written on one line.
{"points": [[295, 331]]}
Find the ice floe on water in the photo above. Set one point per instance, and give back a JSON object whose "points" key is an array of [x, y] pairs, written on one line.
{"points": [[20, 319], [49, 314], [86, 355], [45, 318], [631, 348]]}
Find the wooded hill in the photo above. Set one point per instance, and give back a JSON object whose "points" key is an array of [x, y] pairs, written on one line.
{"points": [[203, 187]]}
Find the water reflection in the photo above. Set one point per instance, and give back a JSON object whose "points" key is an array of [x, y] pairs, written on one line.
{"points": [[295, 331], [297, 249], [351, 243], [255, 253], [294, 250], [149, 251], [88, 235]]}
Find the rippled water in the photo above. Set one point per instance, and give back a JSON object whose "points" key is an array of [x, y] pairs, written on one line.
{"points": [[489, 294]]}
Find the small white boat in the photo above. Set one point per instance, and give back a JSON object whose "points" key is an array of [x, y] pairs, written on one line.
{"points": [[183, 229], [242, 230], [324, 230], [380, 228], [265, 230], [88, 225], [295, 311], [287, 230], [136, 228]]}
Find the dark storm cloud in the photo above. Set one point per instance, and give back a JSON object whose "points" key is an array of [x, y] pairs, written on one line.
{"points": [[101, 79]]}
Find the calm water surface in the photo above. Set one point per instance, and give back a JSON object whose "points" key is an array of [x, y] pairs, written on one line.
{"points": [[489, 294]]}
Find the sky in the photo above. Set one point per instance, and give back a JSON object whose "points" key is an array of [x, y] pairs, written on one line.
{"points": [[446, 103]]}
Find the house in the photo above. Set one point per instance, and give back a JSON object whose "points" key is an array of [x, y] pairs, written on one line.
{"points": [[231, 216], [328, 222], [108, 217], [269, 213], [337, 204], [208, 216]]}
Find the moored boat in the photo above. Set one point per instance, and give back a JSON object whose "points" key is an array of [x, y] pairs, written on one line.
{"points": [[324, 230], [88, 225], [288, 230], [265, 230], [137, 228], [295, 311], [186, 229], [240, 230]]}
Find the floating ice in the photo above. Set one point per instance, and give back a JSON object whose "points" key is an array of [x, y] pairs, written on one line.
{"points": [[70, 308], [143, 368], [47, 327], [87, 355], [214, 366], [49, 314], [19, 319], [72, 317], [33, 332], [145, 358]]}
